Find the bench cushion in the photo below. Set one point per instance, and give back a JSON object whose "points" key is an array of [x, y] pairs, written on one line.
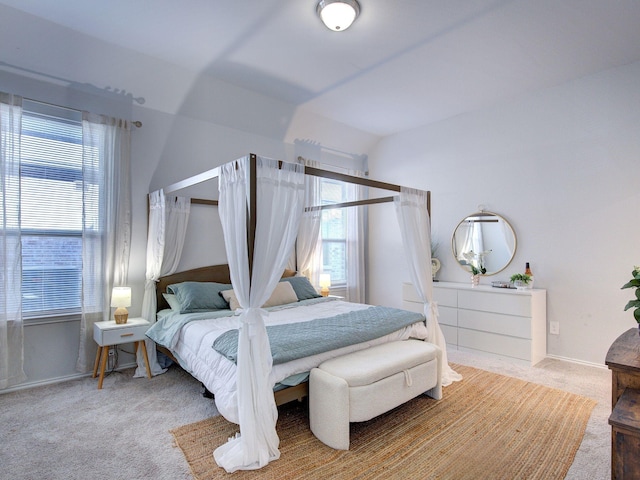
{"points": [[368, 366], [364, 384]]}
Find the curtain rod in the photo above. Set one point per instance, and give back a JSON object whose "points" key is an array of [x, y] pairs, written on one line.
{"points": [[135, 123], [117, 91]]}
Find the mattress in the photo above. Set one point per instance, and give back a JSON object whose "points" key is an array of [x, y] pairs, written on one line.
{"points": [[190, 337]]}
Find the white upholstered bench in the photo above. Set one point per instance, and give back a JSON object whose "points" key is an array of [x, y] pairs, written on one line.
{"points": [[364, 384]]}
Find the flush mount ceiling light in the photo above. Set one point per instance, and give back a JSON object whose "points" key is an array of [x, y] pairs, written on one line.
{"points": [[338, 15]]}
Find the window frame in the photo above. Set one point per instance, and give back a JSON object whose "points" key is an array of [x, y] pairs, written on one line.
{"points": [[343, 284]]}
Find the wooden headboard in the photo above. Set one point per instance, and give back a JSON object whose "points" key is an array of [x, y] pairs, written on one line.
{"points": [[213, 273]]}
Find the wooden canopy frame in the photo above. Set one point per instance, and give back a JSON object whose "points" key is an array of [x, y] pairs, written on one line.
{"points": [[222, 271], [316, 172]]}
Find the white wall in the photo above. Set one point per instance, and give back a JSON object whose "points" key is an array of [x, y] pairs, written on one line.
{"points": [[191, 123], [562, 166], [558, 164]]}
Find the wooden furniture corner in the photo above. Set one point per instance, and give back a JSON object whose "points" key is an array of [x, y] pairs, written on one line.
{"points": [[623, 359]]}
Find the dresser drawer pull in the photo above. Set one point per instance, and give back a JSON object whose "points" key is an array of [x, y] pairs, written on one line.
{"points": [[126, 335]]}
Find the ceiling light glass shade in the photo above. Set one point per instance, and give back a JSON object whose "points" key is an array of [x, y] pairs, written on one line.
{"points": [[338, 15]]}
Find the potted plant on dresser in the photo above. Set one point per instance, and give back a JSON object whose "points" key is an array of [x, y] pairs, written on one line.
{"points": [[520, 281]]}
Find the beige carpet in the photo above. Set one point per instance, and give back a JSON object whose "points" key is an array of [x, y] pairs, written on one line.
{"points": [[487, 426]]}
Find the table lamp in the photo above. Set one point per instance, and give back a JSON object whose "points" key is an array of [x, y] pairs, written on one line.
{"points": [[325, 283], [121, 299]]}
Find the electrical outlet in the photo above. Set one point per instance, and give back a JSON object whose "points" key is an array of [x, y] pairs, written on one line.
{"points": [[554, 328], [111, 361]]}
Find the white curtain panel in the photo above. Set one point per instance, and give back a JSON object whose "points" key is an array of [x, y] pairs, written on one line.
{"points": [[308, 242], [280, 202], [355, 243], [168, 220], [413, 218], [106, 229], [11, 327]]}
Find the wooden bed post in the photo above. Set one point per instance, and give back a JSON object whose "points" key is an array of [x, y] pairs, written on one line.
{"points": [[252, 209]]}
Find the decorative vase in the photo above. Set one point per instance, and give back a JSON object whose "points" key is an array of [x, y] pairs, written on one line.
{"points": [[435, 266], [520, 285], [475, 280]]}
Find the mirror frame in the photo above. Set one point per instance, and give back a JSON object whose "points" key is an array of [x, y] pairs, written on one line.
{"points": [[484, 213]]}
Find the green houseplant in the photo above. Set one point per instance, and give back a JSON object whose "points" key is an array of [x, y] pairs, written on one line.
{"points": [[520, 280], [476, 261], [481, 270], [634, 283]]}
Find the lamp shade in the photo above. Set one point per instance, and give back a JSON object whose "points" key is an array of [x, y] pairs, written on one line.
{"points": [[338, 15], [324, 280], [121, 297]]}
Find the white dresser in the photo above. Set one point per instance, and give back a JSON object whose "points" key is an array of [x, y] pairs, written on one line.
{"points": [[505, 322]]}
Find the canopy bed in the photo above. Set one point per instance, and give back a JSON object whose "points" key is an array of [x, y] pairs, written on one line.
{"points": [[304, 330], [261, 202]]}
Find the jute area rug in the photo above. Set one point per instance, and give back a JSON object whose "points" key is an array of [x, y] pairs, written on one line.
{"points": [[487, 426]]}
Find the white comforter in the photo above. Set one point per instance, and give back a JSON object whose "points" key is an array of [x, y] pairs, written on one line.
{"points": [[193, 347]]}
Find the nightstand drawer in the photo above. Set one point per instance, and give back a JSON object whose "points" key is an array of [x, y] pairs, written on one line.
{"points": [[111, 333]]}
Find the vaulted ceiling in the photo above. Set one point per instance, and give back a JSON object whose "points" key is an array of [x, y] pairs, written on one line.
{"points": [[403, 63]]}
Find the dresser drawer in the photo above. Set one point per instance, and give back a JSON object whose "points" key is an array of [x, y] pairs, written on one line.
{"points": [[493, 343], [508, 304], [448, 316], [496, 323], [413, 306], [445, 296], [450, 334]]}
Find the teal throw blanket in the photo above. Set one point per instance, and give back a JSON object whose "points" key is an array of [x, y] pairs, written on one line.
{"points": [[298, 340]]}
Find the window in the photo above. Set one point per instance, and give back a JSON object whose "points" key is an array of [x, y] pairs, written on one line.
{"points": [[51, 203], [333, 231]]}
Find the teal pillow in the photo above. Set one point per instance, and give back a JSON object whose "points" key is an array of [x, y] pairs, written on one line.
{"points": [[199, 296], [303, 288]]}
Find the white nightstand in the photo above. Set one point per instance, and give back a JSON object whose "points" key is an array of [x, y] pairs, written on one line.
{"points": [[111, 333]]}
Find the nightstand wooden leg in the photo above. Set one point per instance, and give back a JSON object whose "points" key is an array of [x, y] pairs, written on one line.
{"points": [[143, 345], [95, 365], [103, 365]]}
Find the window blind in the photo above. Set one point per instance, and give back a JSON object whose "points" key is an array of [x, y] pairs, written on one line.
{"points": [[51, 181]]}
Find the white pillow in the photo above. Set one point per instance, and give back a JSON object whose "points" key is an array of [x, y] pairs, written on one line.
{"points": [[172, 301], [282, 294], [231, 299]]}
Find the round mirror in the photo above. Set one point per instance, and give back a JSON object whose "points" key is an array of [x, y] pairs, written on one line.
{"points": [[484, 240]]}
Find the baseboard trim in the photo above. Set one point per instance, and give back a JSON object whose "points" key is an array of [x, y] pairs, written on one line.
{"points": [[65, 378], [579, 362]]}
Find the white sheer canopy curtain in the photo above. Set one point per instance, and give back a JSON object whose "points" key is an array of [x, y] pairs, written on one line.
{"points": [[168, 220], [280, 201], [413, 218], [307, 262], [106, 220], [11, 327], [355, 242]]}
